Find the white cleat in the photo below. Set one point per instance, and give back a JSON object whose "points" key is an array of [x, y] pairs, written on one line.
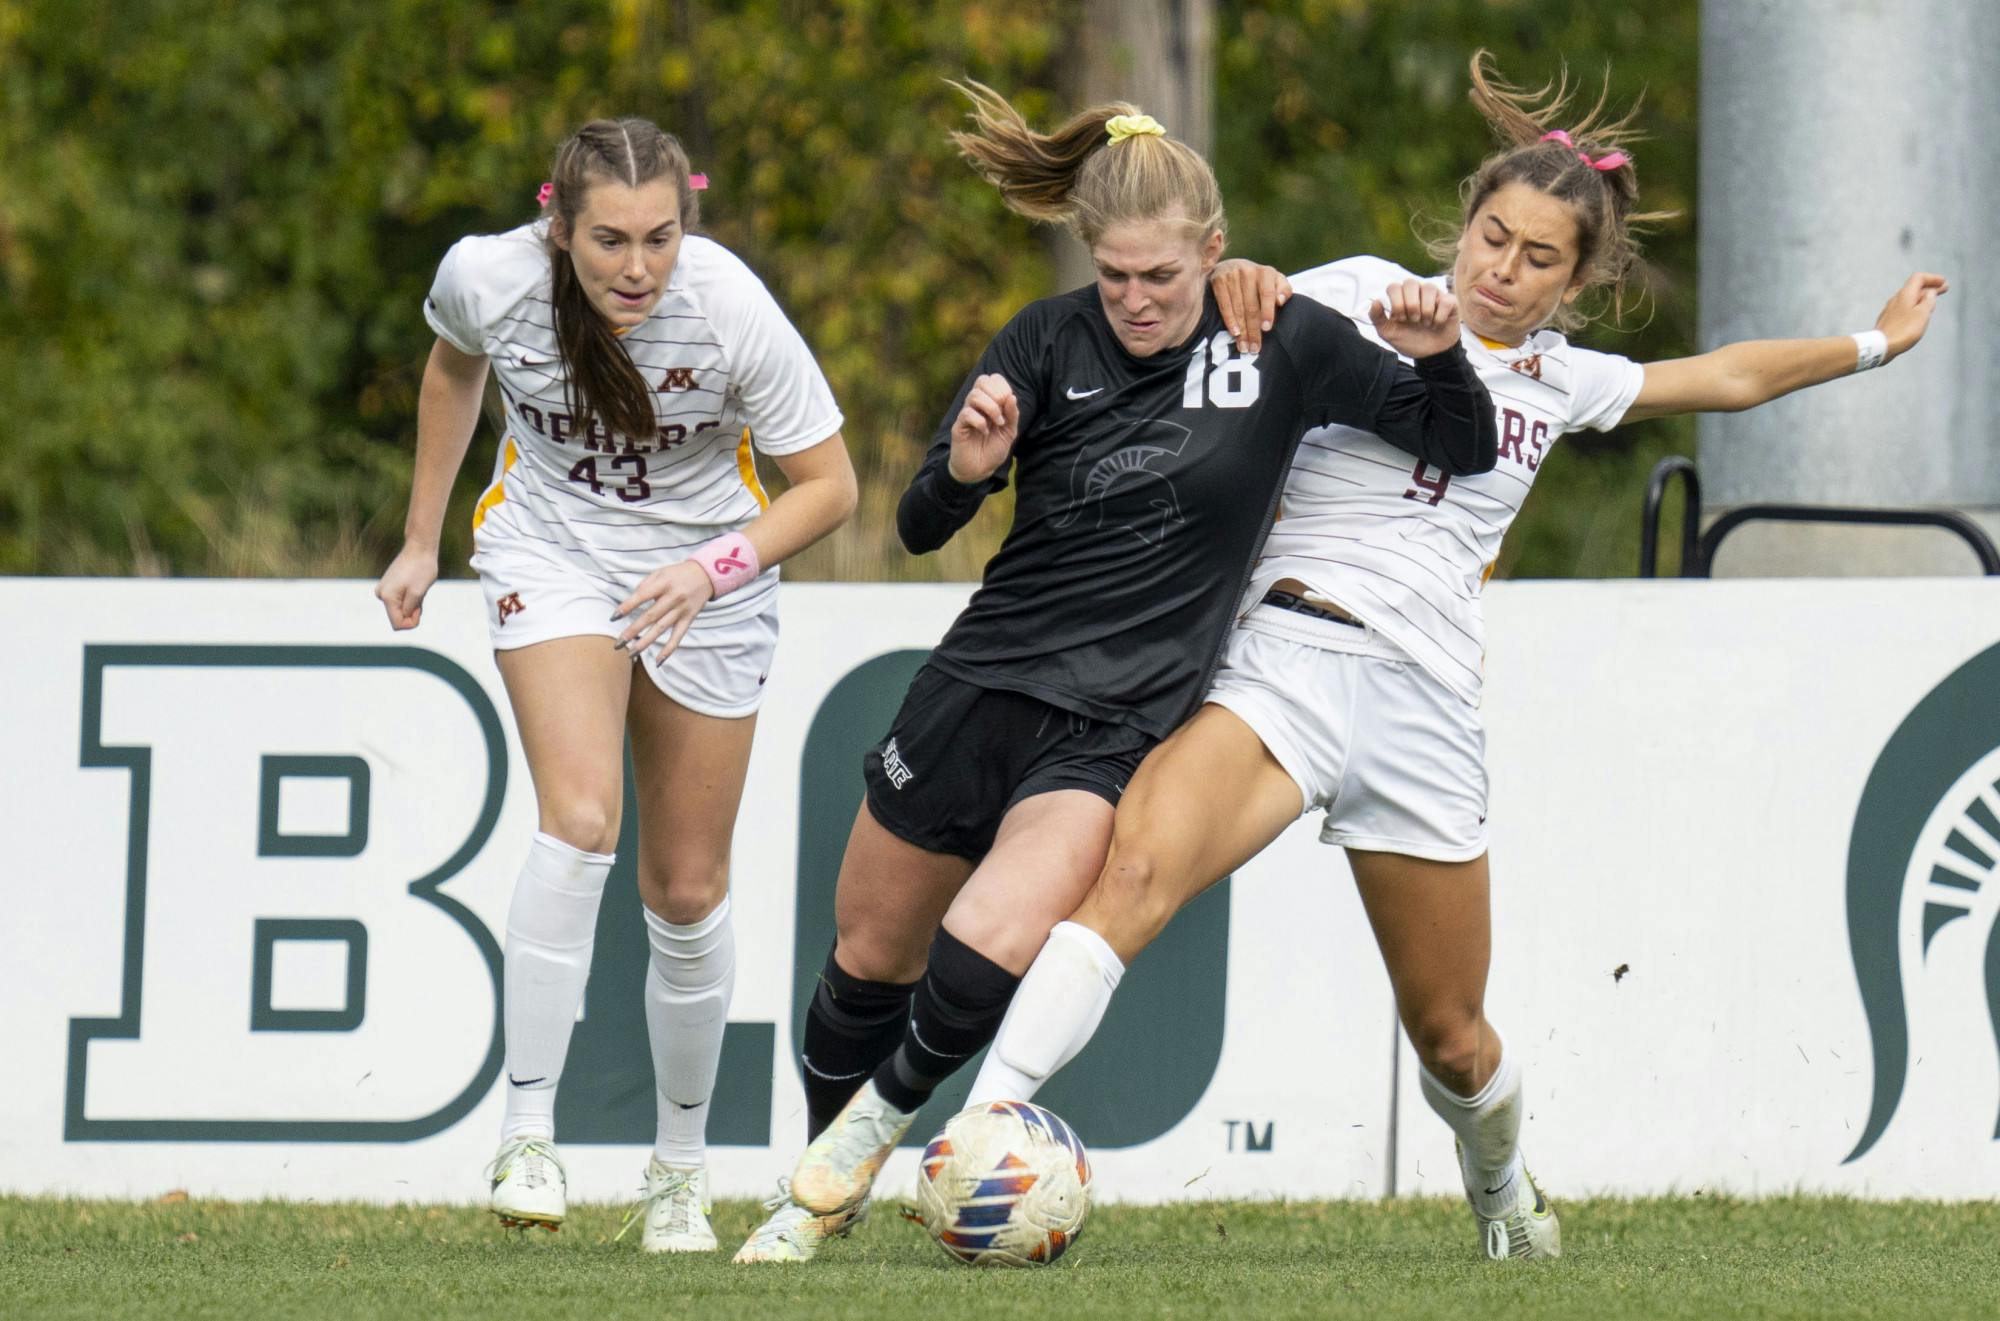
{"points": [[529, 1185], [675, 1207], [792, 1233], [838, 1167], [1529, 1231]]}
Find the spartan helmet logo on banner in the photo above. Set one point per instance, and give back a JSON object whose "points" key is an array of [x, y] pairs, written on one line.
{"points": [[1922, 861]]}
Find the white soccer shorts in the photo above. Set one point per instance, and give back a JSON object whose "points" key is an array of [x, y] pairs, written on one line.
{"points": [[718, 670], [1394, 758]]}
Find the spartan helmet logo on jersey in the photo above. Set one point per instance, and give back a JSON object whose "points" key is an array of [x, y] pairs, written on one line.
{"points": [[1925, 854], [1128, 485]]}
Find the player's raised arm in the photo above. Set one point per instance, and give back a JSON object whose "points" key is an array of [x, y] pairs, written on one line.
{"points": [[1756, 371], [1438, 410], [966, 463], [983, 433], [1435, 410]]}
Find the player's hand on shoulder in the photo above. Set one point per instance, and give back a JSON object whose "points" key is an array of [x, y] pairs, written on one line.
{"points": [[1416, 318], [1908, 314], [983, 434], [404, 584], [1248, 296], [661, 608]]}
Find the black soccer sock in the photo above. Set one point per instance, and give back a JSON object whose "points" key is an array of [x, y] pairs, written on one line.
{"points": [[852, 1026], [957, 1010]]}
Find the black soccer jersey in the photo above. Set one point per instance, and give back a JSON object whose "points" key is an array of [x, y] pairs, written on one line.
{"points": [[1146, 485]]}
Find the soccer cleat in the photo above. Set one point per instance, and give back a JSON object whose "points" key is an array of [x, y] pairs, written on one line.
{"points": [[529, 1186], [675, 1208], [839, 1166], [792, 1233], [1529, 1231]]}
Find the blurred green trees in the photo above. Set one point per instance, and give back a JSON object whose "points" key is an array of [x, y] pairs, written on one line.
{"points": [[218, 219]]}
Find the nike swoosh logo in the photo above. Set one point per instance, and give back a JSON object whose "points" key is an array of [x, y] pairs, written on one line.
{"points": [[1075, 393], [526, 1082], [1494, 1192], [693, 1106]]}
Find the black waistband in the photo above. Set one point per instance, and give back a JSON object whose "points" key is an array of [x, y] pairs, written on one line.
{"points": [[1299, 605]]}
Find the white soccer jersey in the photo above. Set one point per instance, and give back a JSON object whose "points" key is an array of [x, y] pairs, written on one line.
{"points": [[728, 372], [1402, 545]]}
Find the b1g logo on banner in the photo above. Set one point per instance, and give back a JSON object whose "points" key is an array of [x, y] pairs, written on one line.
{"points": [[294, 815], [295, 968]]}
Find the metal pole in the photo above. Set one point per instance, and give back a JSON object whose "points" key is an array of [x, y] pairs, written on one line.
{"points": [[1159, 55], [1845, 144], [1395, 1097]]}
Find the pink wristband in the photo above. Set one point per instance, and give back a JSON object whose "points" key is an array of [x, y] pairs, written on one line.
{"points": [[730, 562]]}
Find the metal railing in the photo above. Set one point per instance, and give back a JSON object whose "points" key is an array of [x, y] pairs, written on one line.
{"points": [[1698, 547], [1649, 519]]}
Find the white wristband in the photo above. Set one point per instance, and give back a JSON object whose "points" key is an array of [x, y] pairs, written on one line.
{"points": [[1870, 348]]}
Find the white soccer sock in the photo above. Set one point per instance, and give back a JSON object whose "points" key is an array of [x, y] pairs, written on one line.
{"points": [[1488, 1126], [1055, 1013], [688, 980], [551, 926]]}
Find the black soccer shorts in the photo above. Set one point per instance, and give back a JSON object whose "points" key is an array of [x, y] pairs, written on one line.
{"points": [[958, 756]]}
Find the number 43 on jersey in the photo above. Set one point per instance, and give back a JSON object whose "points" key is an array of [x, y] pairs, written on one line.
{"points": [[1230, 380]]}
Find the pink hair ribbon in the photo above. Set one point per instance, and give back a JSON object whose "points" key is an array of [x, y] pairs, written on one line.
{"points": [[1611, 160], [697, 181]]}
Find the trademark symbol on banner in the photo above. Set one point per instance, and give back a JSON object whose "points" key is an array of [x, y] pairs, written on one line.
{"points": [[1252, 1139]]}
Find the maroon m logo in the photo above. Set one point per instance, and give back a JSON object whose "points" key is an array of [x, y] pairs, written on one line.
{"points": [[677, 378]]}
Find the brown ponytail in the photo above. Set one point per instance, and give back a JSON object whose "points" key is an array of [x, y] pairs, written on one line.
{"points": [[1078, 178], [598, 373], [1585, 171]]}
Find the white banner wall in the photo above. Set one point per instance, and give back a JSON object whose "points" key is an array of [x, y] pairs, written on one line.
{"points": [[259, 852]]}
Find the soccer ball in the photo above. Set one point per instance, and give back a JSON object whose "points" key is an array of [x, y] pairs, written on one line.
{"points": [[1005, 1184]]}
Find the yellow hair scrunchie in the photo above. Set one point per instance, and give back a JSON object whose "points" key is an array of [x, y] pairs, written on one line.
{"points": [[1121, 127]]}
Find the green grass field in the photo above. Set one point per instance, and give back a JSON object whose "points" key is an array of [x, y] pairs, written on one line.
{"points": [[1693, 1258]]}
